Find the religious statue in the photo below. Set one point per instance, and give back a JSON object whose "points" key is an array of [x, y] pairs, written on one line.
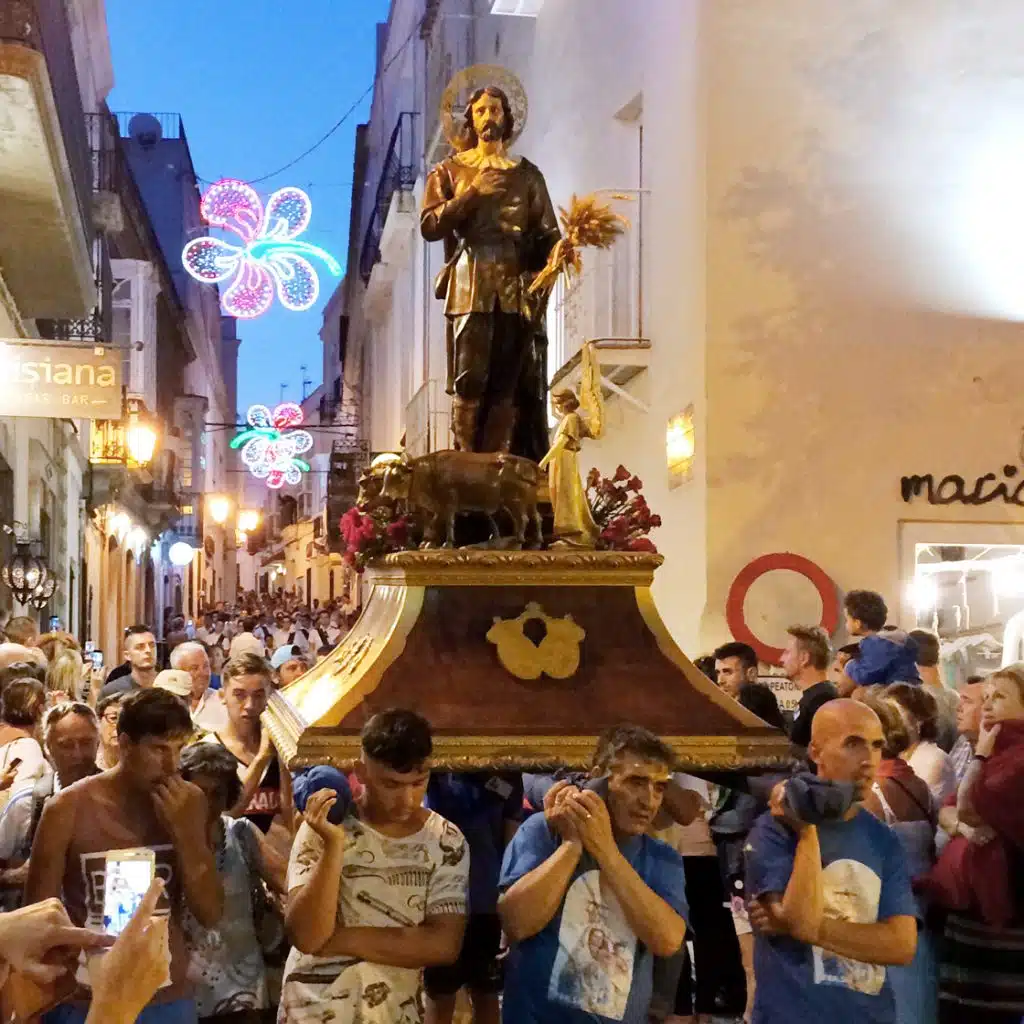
{"points": [[581, 417], [494, 215]]}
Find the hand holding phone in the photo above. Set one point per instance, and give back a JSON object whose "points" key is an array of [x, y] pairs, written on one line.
{"points": [[10, 773], [128, 877], [127, 977]]}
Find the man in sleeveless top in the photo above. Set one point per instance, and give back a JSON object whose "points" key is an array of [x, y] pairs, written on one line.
{"points": [[266, 789], [143, 802]]}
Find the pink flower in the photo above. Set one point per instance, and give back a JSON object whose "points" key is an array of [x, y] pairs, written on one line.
{"points": [[621, 474], [642, 544], [398, 532]]}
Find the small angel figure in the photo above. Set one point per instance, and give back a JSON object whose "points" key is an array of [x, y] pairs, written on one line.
{"points": [[581, 417]]}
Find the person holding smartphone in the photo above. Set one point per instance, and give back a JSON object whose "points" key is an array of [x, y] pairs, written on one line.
{"points": [[142, 802]]}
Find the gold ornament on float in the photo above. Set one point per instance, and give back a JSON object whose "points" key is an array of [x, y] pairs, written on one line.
{"points": [[557, 655], [466, 82]]}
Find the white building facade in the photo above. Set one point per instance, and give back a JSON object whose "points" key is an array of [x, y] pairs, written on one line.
{"points": [[812, 304]]}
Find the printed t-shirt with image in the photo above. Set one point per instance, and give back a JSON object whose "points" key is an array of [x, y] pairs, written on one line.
{"points": [[865, 881], [385, 883], [586, 964]]}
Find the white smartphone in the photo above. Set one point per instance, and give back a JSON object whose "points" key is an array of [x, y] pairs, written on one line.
{"points": [[128, 877]]}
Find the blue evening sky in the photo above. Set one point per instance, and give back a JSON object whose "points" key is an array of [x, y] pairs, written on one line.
{"points": [[256, 83]]}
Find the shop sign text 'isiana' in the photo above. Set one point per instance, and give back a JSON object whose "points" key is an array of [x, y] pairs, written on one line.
{"points": [[39, 378]]}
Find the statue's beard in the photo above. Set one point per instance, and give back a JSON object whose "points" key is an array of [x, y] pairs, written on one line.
{"points": [[490, 132]]}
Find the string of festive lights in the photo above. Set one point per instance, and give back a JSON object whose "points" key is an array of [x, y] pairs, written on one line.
{"points": [[270, 447], [271, 256]]}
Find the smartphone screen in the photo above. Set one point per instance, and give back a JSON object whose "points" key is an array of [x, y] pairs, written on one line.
{"points": [[97, 659], [54, 623], [128, 876], [90, 646]]}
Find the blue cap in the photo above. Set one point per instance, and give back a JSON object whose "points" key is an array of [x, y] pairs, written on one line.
{"points": [[322, 776]]}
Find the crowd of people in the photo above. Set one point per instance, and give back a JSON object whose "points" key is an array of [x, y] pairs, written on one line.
{"points": [[877, 878]]}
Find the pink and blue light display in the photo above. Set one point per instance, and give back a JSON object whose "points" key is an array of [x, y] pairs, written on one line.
{"points": [[271, 258], [270, 447]]}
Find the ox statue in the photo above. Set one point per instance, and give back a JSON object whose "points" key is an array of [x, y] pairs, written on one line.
{"points": [[441, 485]]}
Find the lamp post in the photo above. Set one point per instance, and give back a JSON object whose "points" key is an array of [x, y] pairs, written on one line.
{"points": [[219, 508], [27, 575]]}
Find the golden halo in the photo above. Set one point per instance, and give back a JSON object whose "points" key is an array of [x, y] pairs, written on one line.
{"points": [[466, 82]]}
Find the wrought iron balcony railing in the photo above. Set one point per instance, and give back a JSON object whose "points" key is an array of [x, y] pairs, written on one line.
{"points": [[189, 523], [398, 173], [43, 26]]}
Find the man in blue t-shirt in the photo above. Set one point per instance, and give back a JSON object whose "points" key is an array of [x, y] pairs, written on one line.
{"points": [[588, 899], [487, 808], [831, 904]]}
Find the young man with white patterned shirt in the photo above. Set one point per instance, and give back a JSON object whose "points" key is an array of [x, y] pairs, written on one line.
{"points": [[374, 900]]}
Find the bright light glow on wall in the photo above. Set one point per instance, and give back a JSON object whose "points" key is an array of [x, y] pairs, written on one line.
{"points": [[270, 449], [270, 258], [680, 447]]}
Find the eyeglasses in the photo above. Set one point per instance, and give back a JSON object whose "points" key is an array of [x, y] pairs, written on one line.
{"points": [[112, 717]]}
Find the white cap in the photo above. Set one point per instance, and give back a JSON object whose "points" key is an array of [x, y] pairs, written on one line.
{"points": [[174, 680]]}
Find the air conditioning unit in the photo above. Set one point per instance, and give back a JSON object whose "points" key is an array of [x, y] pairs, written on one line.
{"points": [[517, 8]]}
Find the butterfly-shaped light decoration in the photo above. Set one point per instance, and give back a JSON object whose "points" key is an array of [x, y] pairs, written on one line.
{"points": [[270, 447], [271, 255]]}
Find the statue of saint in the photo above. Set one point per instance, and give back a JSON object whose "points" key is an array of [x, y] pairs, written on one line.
{"points": [[494, 215]]}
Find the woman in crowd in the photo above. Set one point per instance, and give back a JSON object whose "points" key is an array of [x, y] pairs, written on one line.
{"points": [[65, 676], [108, 711], [23, 766], [227, 961], [982, 972], [215, 652], [925, 757], [903, 801]]}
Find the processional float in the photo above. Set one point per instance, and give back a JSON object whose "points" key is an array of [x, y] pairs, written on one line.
{"points": [[500, 605]]}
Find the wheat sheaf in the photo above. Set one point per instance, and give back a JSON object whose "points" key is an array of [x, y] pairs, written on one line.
{"points": [[589, 223]]}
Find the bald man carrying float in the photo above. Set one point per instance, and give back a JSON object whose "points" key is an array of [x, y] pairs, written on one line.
{"points": [[831, 903]]}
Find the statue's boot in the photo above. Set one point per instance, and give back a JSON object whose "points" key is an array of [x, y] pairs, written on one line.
{"points": [[464, 418], [499, 428]]}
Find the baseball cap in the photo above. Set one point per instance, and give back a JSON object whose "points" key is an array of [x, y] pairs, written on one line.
{"points": [[283, 654], [174, 680]]}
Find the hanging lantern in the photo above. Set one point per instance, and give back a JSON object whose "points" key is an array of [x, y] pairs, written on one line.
{"points": [[41, 595], [25, 574]]}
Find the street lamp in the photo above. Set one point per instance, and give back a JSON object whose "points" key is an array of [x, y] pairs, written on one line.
{"points": [[140, 435], [219, 507], [181, 553], [249, 519], [28, 576]]}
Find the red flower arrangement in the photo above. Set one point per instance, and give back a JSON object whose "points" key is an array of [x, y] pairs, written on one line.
{"points": [[621, 511], [372, 532]]}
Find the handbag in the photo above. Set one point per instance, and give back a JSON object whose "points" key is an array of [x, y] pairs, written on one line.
{"points": [[267, 918]]}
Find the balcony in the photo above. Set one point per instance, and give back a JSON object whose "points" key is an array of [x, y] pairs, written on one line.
{"points": [[605, 305], [427, 420], [388, 239], [188, 525], [347, 462], [45, 173]]}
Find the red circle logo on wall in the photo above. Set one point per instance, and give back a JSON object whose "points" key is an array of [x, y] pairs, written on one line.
{"points": [[820, 579]]}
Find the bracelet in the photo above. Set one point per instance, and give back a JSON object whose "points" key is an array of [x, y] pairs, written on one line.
{"points": [[981, 757]]}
